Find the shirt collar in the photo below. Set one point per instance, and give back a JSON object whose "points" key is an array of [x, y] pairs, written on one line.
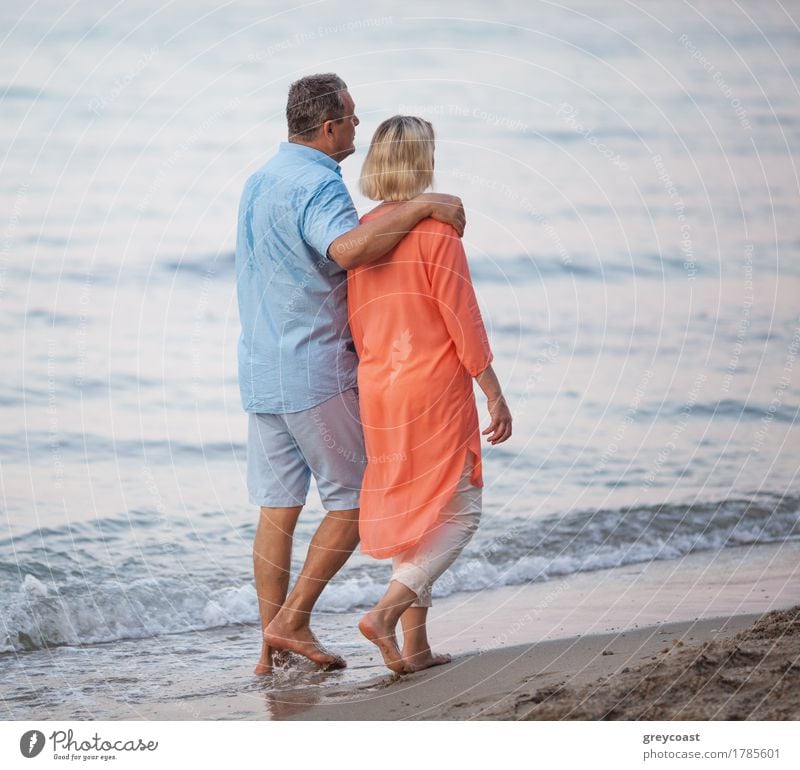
{"points": [[310, 154]]}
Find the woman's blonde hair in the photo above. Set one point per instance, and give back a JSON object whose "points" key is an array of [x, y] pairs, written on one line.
{"points": [[399, 162]]}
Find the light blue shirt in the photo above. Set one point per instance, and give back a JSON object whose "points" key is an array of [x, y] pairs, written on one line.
{"points": [[295, 349]]}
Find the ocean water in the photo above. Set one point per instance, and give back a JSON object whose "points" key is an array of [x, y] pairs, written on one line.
{"points": [[630, 179]]}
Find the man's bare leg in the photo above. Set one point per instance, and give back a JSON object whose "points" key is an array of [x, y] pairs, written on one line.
{"points": [[416, 652], [272, 555], [330, 548]]}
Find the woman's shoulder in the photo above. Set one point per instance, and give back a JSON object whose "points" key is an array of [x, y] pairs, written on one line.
{"points": [[434, 227], [437, 235]]}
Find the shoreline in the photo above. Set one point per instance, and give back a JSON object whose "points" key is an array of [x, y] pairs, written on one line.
{"points": [[650, 673], [527, 651], [610, 637]]}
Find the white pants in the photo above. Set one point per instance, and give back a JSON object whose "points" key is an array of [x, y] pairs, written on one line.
{"points": [[419, 567]]}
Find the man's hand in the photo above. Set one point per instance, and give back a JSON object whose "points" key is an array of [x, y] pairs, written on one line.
{"points": [[446, 208]]}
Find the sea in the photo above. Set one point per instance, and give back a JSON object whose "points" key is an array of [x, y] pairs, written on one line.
{"points": [[629, 172]]}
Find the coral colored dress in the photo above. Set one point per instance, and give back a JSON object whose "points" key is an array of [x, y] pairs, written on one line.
{"points": [[420, 340]]}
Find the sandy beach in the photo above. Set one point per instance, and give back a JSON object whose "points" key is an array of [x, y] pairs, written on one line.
{"points": [[732, 668], [711, 636], [736, 655]]}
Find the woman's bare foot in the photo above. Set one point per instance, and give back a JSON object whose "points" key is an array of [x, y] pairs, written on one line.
{"points": [[282, 635], [417, 660], [382, 634]]}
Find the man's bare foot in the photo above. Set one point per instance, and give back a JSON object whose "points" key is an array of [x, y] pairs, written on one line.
{"points": [[279, 636], [417, 660], [269, 659], [264, 665], [263, 668], [382, 635]]}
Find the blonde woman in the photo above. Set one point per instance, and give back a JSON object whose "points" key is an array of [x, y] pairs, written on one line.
{"points": [[420, 341]]}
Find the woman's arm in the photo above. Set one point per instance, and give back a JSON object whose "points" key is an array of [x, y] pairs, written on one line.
{"points": [[500, 428], [451, 287]]}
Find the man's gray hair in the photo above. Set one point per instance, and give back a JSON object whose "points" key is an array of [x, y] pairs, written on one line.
{"points": [[313, 100]]}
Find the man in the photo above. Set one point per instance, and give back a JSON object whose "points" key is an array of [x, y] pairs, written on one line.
{"points": [[298, 234]]}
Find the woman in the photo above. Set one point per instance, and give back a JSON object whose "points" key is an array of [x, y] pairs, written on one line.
{"points": [[420, 341]]}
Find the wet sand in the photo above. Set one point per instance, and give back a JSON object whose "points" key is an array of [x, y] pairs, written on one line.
{"points": [[708, 636], [739, 667]]}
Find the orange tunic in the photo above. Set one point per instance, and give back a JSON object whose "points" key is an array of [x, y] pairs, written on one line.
{"points": [[420, 340]]}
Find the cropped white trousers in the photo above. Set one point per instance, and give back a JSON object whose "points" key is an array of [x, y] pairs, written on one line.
{"points": [[419, 567]]}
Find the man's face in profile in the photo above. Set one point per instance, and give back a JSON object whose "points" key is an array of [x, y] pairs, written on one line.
{"points": [[345, 129]]}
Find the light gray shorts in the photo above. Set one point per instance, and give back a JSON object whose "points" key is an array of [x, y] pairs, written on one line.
{"points": [[284, 450]]}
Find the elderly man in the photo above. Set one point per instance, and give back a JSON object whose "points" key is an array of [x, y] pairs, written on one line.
{"points": [[298, 234]]}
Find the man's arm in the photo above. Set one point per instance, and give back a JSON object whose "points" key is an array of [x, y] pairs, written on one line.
{"points": [[373, 239]]}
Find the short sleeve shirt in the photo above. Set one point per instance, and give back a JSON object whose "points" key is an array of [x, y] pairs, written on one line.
{"points": [[295, 350]]}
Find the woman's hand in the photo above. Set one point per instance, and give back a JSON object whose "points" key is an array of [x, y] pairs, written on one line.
{"points": [[500, 428]]}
